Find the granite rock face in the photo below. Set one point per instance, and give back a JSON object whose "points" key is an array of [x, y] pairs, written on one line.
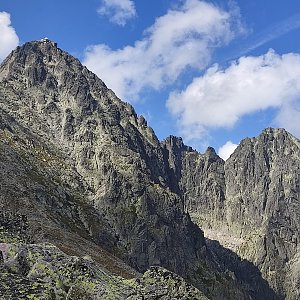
{"points": [[250, 203], [200, 178], [80, 170], [262, 192]]}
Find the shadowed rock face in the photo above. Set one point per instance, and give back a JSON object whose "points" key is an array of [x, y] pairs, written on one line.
{"points": [[253, 198], [262, 192]]}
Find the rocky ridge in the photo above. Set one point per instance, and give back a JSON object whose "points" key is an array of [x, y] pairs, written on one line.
{"points": [[80, 170], [42, 271], [111, 151], [250, 203]]}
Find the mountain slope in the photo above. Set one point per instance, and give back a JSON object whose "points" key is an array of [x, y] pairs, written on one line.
{"points": [[113, 152], [88, 175], [263, 188], [250, 203]]}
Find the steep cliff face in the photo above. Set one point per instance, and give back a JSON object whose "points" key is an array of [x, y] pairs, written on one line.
{"points": [[262, 202], [250, 203], [79, 169], [200, 179]]}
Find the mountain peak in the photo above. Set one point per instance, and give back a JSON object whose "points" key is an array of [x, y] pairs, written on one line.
{"points": [[33, 61], [42, 43], [38, 53], [54, 89], [274, 131], [38, 47], [210, 152], [277, 136]]}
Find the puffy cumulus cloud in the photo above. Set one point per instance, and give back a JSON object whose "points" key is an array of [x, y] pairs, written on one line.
{"points": [[183, 37], [8, 37], [221, 97], [118, 11], [227, 149]]}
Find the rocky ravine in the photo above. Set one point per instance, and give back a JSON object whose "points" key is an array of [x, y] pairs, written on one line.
{"points": [[250, 203], [80, 170]]}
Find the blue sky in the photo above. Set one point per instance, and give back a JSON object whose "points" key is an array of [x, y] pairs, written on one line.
{"points": [[213, 72]]}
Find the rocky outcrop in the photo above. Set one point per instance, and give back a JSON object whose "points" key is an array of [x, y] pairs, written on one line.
{"points": [[159, 283], [42, 271], [250, 203], [200, 178], [262, 203]]}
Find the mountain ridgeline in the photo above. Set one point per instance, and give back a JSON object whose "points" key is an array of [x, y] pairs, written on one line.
{"points": [[82, 172], [250, 203]]}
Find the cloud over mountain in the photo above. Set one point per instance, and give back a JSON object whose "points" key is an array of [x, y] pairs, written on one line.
{"points": [[220, 97], [118, 11], [182, 38]]}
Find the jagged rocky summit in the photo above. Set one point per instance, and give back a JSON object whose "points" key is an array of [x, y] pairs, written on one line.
{"points": [[90, 198], [250, 203]]}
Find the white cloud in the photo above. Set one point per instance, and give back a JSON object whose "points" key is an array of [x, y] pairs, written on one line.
{"points": [[8, 37], [222, 96], [226, 150], [118, 11], [182, 38], [289, 117]]}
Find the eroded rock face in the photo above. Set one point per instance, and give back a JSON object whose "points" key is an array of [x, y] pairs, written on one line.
{"points": [[114, 153], [250, 203], [200, 179], [89, 175], [81, 170], [262, 201]]}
